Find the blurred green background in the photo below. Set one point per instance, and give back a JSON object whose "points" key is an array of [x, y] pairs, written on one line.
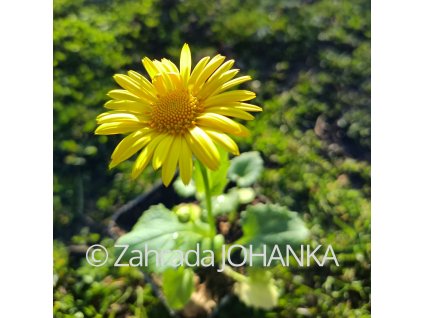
{"points": [[310, 61]]}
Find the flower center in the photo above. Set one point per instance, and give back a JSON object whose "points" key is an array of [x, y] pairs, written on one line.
{"points": [[175, 112]]}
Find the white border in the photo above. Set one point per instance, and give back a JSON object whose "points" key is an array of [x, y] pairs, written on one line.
{"points": [[397, 158], [26, 158]]}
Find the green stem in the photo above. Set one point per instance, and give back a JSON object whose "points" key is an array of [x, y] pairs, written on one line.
{"points": [[210, 218], [228, 271]]}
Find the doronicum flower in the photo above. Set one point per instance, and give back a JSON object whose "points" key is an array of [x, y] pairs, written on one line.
{"points": [[177, 115]]}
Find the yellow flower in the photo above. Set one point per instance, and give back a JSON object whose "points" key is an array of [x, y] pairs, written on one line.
{"points": [[178, 114]]}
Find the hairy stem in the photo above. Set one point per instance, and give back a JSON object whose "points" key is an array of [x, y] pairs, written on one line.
{"points": [[228, 271], [210, 218]]}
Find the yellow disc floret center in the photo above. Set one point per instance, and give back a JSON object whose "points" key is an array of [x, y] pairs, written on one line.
{"points": [[175, 112]]}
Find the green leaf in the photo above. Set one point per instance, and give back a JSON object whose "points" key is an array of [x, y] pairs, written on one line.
{"points": [[229, 202], [178, 285], [246, 168], [258, 290], [217, 179], [225, 203], [187, 212], [159, 229], [270, 225], [183, 190], [246, 195]]}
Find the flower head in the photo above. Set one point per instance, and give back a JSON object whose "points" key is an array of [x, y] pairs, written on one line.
{"points": [[177, 115]]}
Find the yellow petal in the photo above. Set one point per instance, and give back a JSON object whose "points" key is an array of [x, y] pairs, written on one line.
{"points": [[164, 73], [213, 86], [117, 128], [149, 67], [116, 116], [214, 83], [162, 151], [243, 106], [185, 63], [222, 69], [232, 83], [231, 112], [129, 84], [204, 148], [160, 67], [128, 105], [222, 123], [176, 80], [197, 70], [224, 140], [164, 78], [145, 156], [185, 162], [147, 88], [214, 63], [170, 66], [130, 145], [123, 94], [160, 85], [169, 166], [229, 97]]}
